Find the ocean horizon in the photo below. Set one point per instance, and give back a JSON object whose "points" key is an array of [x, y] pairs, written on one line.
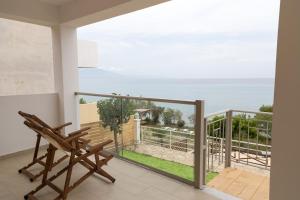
{"points": [[218, 94]]}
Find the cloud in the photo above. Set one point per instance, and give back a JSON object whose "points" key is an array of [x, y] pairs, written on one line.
{"points": [[198, 39]]}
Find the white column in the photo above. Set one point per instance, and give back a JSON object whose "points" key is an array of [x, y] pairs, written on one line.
{"points": [[64, 40], [137, 121], [285, 166]]}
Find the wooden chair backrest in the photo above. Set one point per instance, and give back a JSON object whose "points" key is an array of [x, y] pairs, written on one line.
{"points": [[53, 139], [35, 118]]}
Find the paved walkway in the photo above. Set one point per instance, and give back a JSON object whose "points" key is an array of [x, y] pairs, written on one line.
{"points": [[242, 184]]}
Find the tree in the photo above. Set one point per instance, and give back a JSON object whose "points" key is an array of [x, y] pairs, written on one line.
{"points": [[168, 116], [266, 108], [156, 114], [180, 123], [171, 116], [113, 113], [82, 101], [177, 115]]}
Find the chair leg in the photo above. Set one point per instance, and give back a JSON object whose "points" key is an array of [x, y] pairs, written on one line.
{"points": [[50, 153], [105, 174], [37, 146], [35, 160], [68, 177]]}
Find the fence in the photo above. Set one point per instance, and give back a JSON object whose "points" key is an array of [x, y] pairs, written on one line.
{"points": [[238, 136], [168, 138], [232, 136]]}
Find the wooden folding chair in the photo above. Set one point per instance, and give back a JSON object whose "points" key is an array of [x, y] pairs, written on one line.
{"points": [[39, 160], [79, 151]]}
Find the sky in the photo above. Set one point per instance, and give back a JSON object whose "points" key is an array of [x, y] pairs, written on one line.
{"points": [[190, 39]]}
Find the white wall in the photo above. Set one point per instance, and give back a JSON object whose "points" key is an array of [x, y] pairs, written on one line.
{"points": [[14, 135], [285, 170], [88, 54], [26, 63]]}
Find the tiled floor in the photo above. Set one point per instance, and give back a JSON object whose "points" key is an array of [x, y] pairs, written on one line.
{"points": [[132, 182], [242, 184]]}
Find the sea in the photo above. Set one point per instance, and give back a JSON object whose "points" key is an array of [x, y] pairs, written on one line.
{"points": [[218, 94]]}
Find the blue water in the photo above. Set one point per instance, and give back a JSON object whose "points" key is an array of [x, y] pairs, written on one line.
{"points": [[219, 94]]}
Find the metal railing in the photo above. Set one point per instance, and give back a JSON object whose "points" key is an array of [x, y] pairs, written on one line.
{"points": [[171, 139], [215, 127], [238, 136]]}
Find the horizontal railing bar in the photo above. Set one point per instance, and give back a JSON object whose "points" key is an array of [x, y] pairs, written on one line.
{"points": [[246, 148], [215, 121], [166, 141], [217, 113], [168, 138], [159, 144], [251, 143], [138, 98], [167, 134], [167, 131], [241, 142], [223, 112], [253, 112]]}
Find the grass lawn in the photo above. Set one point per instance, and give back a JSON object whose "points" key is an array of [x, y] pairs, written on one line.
{"points": [[175, 168]]}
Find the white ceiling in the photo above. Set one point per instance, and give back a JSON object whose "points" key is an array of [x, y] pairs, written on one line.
{"points": [[57, 2]]}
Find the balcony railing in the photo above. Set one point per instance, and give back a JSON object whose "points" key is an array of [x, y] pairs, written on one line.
{"points": [[239, 136], [187, 153], [249, 139], [168, 138], [145, 133]]}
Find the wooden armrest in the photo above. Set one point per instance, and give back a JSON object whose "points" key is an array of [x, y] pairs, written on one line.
{"points": [[77, 134], [62, 126], [99, 147], [84, 141], [79, 131]]}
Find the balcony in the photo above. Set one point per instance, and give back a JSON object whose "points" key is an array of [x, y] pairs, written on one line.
{"points": [[133, 182], [156, 161], [209, 141]]}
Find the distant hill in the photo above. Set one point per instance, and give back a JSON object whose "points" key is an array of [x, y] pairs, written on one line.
{"points": [[96, 72]]}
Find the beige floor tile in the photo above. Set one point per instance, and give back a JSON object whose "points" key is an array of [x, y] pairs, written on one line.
{"points": [[132, 183]]}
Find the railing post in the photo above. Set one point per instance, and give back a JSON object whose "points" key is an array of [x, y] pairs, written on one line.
{"points": [[205, 150], [228, 138], [200, 141], [170, 139], [137, 131]]}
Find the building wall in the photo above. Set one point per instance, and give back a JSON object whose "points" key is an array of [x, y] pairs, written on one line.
{"points": [[285, 174], [88, 113], [26, 61], [15, 136], [88, 54]]}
